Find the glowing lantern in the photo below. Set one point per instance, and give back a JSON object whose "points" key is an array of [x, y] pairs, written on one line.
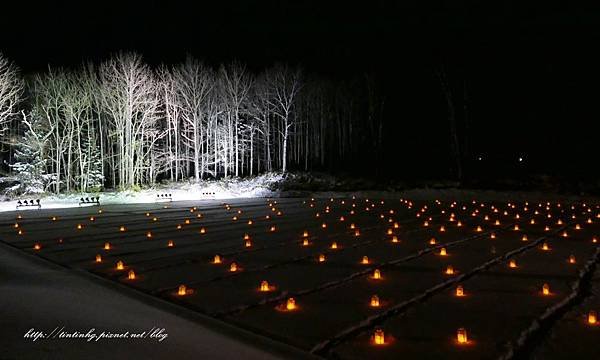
{"points": [[432, 241], [492, 236], [512, 263], [323, 225], [248, 243], [154, 219], [246, 237], [107, 246], [572, 259], [122, 228], [79, 226], [547, 228], [459, 224], [426, 223], [98, 258], [217, 259], [546, 289], [377, 274], [120, 265], [250, 222], [273, 228], [16, 225], [396, 225], [170, 243], [443, 252], [321, 257], [264, 286], [524, 238], [577, 227], [532, 222], [352, 226], [305, 242], [131, 275], [92, 218], [516, 227], [54, 218], [564, 234], [461, 336], [342, 218], [460, 291], [233, 267], [390, 231], [545, 247], [202, 231], [497, 222], [178, 226], [290, 304], [442, 229], [149, 234], [395, 239], [37, 247], [334, 245], [356, 233], [559, 222], [147, 214], [379, 337], [374, 301], [365, 260], [449, 270], [305, 234], [182, 290], [100, 211], [594, 240], [592, 318], [479, 229]]}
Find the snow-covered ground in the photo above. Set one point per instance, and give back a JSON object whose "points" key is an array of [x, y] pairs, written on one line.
{"points": [[259, 186]]}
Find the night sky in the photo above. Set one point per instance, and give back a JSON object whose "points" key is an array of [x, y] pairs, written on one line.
{"points": [[531, 69]]}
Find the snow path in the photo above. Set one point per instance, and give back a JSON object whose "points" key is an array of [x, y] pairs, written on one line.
{"points": [[37, 294], [553, 313], [355, 330]]}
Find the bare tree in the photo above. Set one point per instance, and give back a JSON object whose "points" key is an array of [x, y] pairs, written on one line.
{"points": [[285, 85], [11, 89]]}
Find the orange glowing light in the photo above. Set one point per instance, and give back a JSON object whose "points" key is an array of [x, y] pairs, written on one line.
{"points": [[443, 252], [461, 336], [217, 259], [479, 229], [524, 238], [460, 291], [273, 228], [374, 301], [449, 270], [264, 286], [305, 242], [546, 289], [122, 228], [170, 243], [377, 274], [107, 246], [545, 247], [149, 234], [98, 258], [395, 239], [79, 226], [131, 275], [592, 318], [182, 290], [37, 247], [202, 231], [378, 337], [512, 263], [572, 259], [290, 304], [432, 241], [233, 267], [365, 260], [321, 257], [120, 265]]}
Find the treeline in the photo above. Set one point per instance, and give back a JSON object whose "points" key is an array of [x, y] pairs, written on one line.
{"points": [[123, 123]]}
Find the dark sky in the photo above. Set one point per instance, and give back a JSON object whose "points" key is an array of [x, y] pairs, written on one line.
{"points": [[531, 67]]}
